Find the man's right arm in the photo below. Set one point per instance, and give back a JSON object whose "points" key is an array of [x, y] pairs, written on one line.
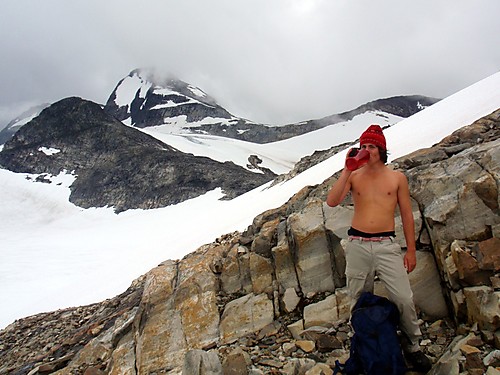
{"points": [[339, 189]]}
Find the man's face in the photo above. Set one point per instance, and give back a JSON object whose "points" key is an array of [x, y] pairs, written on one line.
{"points": [[373, 150]]}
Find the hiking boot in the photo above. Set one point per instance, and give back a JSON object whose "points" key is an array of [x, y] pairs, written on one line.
{"points": [[419, 361]]}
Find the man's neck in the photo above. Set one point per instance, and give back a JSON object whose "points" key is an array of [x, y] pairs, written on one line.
{"points": [[377, 166]]}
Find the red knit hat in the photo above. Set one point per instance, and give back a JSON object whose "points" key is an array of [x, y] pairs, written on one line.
{"points": [[373, 135]]}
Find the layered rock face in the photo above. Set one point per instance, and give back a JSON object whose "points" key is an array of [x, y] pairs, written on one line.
{"points": [[272, 300], [457, 186], [116, 165]]}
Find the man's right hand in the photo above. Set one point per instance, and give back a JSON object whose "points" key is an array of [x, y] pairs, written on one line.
{"points": [[352, 152]]}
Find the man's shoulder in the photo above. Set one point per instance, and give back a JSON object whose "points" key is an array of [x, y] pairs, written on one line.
{"points": [[394, 172], [395, 176], [399, 174], [399, 177]]}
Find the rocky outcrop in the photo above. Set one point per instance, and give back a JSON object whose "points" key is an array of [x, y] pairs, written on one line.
{"points": [[404, 106], [456, 183], [52, 340], [116, 165], [272, 300]]}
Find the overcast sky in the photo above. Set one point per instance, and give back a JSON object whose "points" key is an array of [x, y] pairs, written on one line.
{"points": [[272, 61]]}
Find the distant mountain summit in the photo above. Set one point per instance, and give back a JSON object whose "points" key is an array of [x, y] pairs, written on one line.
{"points": [[142, 100], [25, 117], [116, 165]]}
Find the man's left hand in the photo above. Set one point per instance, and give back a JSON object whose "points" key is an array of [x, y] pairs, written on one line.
{"points": [[410, 261]]}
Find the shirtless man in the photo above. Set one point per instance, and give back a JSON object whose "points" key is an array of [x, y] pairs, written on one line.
{"points": [[376, 191]]}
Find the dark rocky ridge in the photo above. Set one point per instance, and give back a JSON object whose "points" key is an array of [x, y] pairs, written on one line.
{"points": [[117, 165]]}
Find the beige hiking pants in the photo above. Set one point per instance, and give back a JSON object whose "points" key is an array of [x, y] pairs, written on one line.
{"points": [[365, 259]]}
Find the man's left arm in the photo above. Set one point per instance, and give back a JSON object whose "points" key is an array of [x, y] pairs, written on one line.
{"points": [[404, 202]]}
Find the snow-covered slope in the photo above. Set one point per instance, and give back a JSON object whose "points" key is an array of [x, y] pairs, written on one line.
{"points": [[278, 156], [56, 255]]}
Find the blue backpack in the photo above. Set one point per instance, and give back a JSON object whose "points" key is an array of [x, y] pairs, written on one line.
{"points": [[375, 346]]}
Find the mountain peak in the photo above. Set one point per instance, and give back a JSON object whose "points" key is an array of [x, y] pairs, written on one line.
{"points": [[146, 98], [172, 82]]}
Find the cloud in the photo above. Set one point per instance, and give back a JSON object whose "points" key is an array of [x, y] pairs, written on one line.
{"points": [[275, 62]]}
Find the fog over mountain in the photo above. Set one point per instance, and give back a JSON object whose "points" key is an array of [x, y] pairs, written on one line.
{"points": [[275, 63]]}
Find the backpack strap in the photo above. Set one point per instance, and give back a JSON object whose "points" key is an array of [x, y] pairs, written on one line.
{"points": [[339, 367]]}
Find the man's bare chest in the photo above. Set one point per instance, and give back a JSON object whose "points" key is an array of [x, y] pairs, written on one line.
{"points": [[375, 190]]}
